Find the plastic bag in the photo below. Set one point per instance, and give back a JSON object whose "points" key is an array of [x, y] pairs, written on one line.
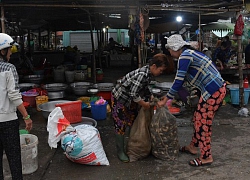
{"points": [[82, 144], [164, 137], [57, 127], [139, 143], [243, 112]]}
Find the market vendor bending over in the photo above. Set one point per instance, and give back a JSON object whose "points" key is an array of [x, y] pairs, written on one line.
{"points": [[129, 93], [198, 70]]}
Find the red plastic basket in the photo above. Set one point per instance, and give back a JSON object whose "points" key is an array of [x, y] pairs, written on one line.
{"points": [[72, 111]]}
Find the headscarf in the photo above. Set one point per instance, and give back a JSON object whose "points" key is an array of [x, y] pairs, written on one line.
{"points": [[175, 42]]}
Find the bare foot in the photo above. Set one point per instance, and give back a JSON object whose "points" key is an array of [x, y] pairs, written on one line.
{"points": [[191, 149]]}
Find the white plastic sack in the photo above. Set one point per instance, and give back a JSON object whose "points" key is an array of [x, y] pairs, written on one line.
{"points": [[57, 127], [82, 144]]}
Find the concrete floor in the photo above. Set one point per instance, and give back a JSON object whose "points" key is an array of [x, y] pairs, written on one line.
{"points": [[230, 148]]}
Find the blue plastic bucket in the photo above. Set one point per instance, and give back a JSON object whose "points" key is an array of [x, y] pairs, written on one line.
{"points": [[235, 95], [99, 111]]}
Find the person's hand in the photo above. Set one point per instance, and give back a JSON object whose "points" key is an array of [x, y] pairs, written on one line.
{"points": [[28, 123], [146, 105], [162, 102], [221, 66]]}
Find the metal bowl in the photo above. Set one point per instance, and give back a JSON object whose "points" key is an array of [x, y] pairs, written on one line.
{"points": [[80, 88], [86, 120], [157, 92], [55, 87], [80, 76], [104, 86], [164, 85], [92, 91], [48, 107], [37, 79], [56, 94], [233, 86], [27, 86]]}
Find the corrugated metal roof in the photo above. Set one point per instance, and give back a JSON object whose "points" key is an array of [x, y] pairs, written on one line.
{"points": [[74, 15]]}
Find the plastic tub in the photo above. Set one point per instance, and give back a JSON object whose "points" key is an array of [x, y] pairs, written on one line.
{"points": [[48, 107], [59, 74], [30, 97], [41, 100], [104, 94], [99, 111], [235, 95], [23, 131], [70, 76], [29, 153], [26, 104]]}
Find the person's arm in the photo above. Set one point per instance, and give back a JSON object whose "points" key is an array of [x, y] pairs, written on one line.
{"points": [[118, 44], [184, 62], [144, 104], [214, 55], [136, 85], [163, 101], [221, 64], [26, 117], [182, 68], [15, 97]]}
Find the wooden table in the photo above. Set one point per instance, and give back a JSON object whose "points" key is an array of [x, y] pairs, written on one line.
{"points": [[232, 74], [234, 71]]}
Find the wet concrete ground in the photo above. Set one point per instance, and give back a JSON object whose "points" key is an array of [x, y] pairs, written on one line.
{"points": [[230, 148]]}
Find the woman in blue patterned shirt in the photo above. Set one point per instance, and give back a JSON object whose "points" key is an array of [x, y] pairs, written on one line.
{"points": [[130, 92], [198, 70]]}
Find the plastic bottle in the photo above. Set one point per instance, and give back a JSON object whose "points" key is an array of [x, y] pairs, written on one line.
{"points": [[245, 83]]}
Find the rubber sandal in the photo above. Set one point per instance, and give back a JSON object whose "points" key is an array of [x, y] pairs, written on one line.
{"points": [[197, 162], [184, 150]]}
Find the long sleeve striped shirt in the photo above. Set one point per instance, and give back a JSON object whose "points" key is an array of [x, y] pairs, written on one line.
{"points": [[199, 71]]}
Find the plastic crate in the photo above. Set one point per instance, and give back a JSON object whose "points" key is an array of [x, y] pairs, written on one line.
{"points": [[235, 95], [72, 111]]}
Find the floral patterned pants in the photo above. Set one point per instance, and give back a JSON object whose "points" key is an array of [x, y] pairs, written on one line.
{"points": [[122, 115], [203, 118]]}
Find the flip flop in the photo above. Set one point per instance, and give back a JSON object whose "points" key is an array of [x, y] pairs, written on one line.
{"points": [[183, 149], [197, 162]]}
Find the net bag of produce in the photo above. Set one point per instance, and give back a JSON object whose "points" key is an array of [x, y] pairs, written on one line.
{"points": [[164, 137]]}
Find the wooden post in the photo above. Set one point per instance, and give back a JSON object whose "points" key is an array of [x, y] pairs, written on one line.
{"points": [[200, 48], [139, 56], [39, 39], [2, 19], [93, 49], [241, 90]]}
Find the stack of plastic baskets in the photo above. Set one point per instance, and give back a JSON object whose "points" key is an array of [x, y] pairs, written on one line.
{"points": [[72, 111]]}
